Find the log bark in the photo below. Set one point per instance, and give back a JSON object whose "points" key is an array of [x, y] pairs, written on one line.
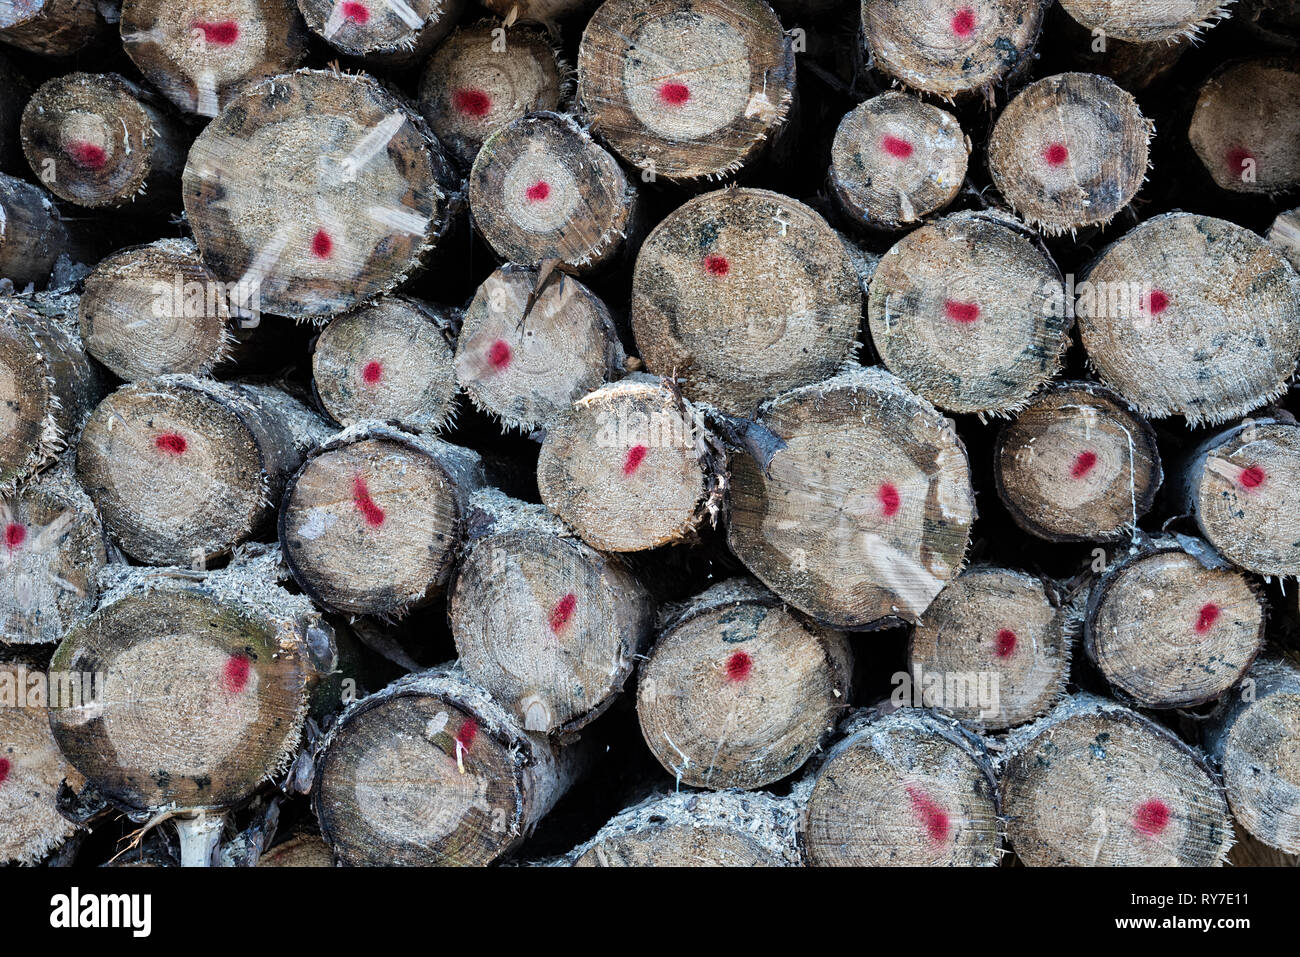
{"points": [[993, 630], [1077, 464], [549, 626], [382, 34], [32, 233], [1194, 316], [737, 691], [686, 89], [431, 771], [485, 76], [969, 312], [300, 850], [1070, 152], [865, 509], [201, 56], [372, 521], [1246, 126], [1252, 737], [101, 141], [1095, 784], [54, 28], [1141, 21], [743, 294], [183, 469], [393, 361], [317, 192], [905, 789]]}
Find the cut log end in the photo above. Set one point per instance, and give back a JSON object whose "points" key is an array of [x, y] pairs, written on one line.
{"points": [[1140, 21], [384, 33], [1246, 126]]}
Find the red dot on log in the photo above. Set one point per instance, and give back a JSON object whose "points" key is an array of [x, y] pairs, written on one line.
{"points": [[635, 456], [1239, 158], [1208, 615], [1056, 154], [499, 354], [171, 443], [539, 192], [739, 666], [674, 94], [358, 13], [1151, 817], [1083, 463], [717, 265], [234, 676], [1157, 302], [1005, 645], [1253, 477], [961, 311], [322, 245], [467, 733], [371, 512], [897, 147], [222, 33], [472, 102], [963, 22], [87, 155], [373, 372], [563, 611], [15, 535], [4, 769], [930, 814], [889, 499]]}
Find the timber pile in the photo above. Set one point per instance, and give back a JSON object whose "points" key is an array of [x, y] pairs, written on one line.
{"points": [[649, 433]]}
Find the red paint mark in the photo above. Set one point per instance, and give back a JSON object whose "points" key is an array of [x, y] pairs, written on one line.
{"points": [[889, 499], [222, 33], [739, 666], [931, 814], [87, 155], [372, 513], [635, 456], [539, 192], [896, 147], [4, 769], [963, 22], [358, 13], [1056, 154], [1253, 477], [717, 265], [472, 102], [171, 443], [563, 611], [499, 354], [15, 535], [373, 372], [1151, 817], [234, 676], [1209, 614], [322, 245], [1005, 645], [467, 733], [1157, 302], [1083, 464], [961, 311], [1238, 159], [674, 94]]}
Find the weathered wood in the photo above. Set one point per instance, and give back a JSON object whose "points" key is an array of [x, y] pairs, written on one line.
{"points": [[737, 691], [1070, 151], [301, 850], [1285, 235], [548, 625], [539, 10], [865, 509], [743, 294], [994, 649], [1253, 738], [527, 366], [32, 234], [1147, 21], [99, 140], [1246, 126], [432, 771], [692, 829], [382, 34], [392, 361], [903, 789], [484, 76], [1095, 784], [686, 89], [371, 522], [1194, 316], [54, 28], [317, 191], [183, 469], [969, 311], [1077, 464], [896, 159]]}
